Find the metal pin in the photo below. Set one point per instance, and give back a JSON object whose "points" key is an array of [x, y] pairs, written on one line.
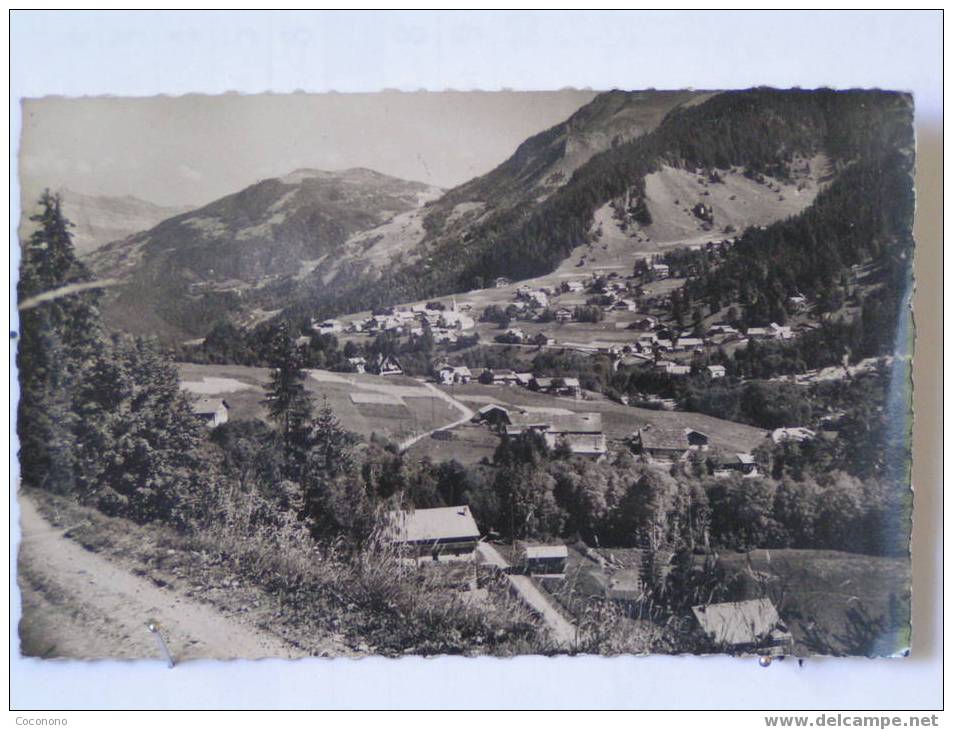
{"points": [[153, 627]]}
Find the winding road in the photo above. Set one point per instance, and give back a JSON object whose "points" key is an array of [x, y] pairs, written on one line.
{"points": [[80, 605], [466, 412]]}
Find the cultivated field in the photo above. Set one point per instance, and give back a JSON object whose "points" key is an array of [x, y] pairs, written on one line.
{"points": [[395, 407]]}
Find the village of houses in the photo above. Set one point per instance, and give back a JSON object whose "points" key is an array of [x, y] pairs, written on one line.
{"points": [[494, 404]]}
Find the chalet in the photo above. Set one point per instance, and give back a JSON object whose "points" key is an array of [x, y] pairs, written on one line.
{"points": [[212, 411], [798, 302], [743, 626], [568, 386], [623, 305], [671, 368], [688, 344], [386, 365], [541, 384], [357, 364], [716, 371], [456, 320], [500, 282], [667, 444], [327, 327], [796, 434], [545, 559], [493, 414], [454, 374], [563, 315], [725, 466], [443, 336], [773, 331], [587, 445], [542, 339], [438, 532], [514, 335], [537, 299], [644, 324], [573, 286], [659, 271], [302, 341], [726, 338], [554, 420], [720, 328], [524, 379]]}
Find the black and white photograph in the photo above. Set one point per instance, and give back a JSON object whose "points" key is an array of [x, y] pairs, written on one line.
{"points": [[478, 373]]}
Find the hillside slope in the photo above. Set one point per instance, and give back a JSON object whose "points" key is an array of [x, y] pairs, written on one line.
{"points": [[539, 167], [763, 135], [101, 219], [188, 271]]}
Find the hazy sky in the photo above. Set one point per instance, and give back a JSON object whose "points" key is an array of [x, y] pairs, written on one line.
{"points": [[190, 150]]}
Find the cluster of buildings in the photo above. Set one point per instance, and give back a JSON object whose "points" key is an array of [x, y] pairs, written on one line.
{"points": [[566, 386], [581, 433], [448, 537], [444, 324]]}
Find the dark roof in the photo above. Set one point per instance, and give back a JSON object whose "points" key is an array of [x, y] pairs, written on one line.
{"points": [[656, 437], [208, 406], [739, 623]]}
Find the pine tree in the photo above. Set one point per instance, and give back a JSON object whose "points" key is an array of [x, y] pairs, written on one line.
{"points": [[289, 404], [58, 337]]}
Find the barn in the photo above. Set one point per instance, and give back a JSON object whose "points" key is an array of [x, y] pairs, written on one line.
{"points": [[440, 532]]}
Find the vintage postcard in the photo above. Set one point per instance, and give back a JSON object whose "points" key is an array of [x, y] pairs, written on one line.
{"points": [[621, 372]]}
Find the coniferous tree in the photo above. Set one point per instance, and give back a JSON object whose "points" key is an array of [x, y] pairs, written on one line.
{"points": [[58, 336]]}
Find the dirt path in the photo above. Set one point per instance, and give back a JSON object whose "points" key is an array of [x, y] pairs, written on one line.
{"points": [[465, 411], [563, 632], [78, 604]]}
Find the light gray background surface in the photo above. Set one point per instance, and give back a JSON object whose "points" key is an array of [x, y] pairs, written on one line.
{"points": [[139, 54]]}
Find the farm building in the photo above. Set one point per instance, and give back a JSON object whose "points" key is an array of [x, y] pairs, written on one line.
{"points": [[738, 463], [563, 315], [573, 286], [667, 444], [773, 331], [212, 411], [386, 365], [557, 386], [493, 414], [328, 326], [796, 434], [545, 559], [438, 532], [542, 339], [716, 371], [667, 366], [743, 626], [500, 282], [581, 433], [454, 374], [659, 271], [503, 376], [643, 324], [588, 445]]}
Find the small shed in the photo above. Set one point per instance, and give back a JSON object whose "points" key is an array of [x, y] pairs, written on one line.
{"points": [[212, 411], [545, 559]]}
